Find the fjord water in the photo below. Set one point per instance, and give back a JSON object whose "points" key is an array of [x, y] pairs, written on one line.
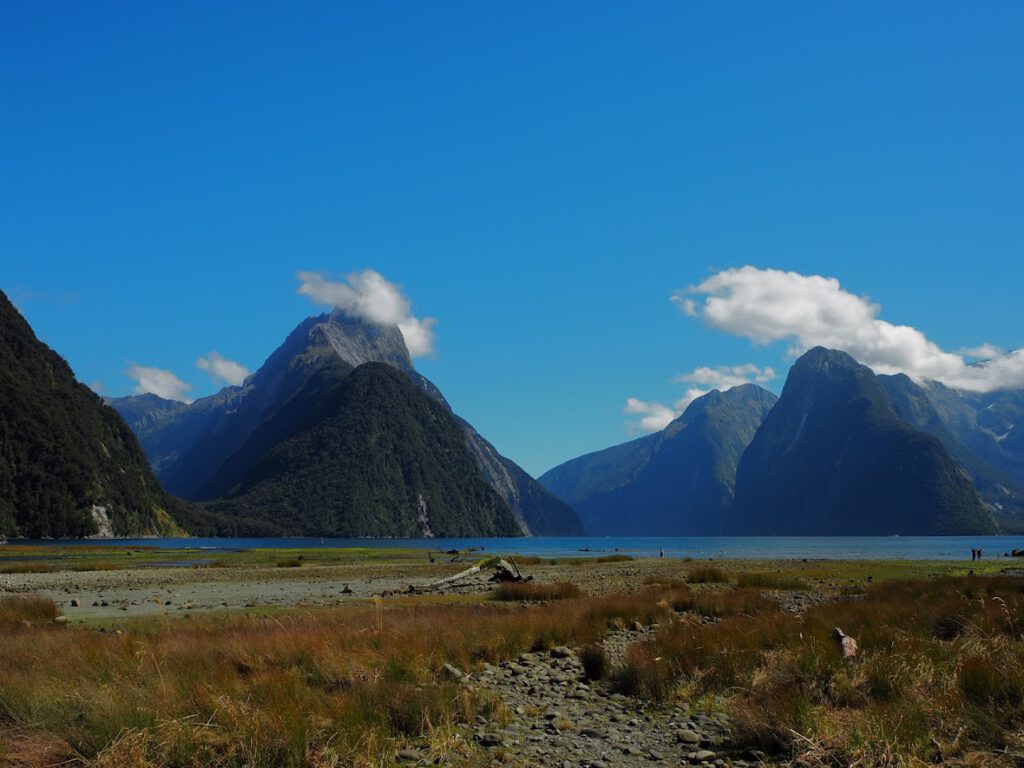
{"points": [[731, 547]]}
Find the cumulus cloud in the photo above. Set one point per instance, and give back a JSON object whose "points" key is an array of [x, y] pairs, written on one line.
{"points": [[158, 381], [769, 305], [367, 295], [222, 370], [657, 416]]}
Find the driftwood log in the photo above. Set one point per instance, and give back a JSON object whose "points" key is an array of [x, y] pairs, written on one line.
{"points": [[504, 571]]}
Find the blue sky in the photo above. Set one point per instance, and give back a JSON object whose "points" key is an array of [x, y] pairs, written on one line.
{"points": [[540, 178]]}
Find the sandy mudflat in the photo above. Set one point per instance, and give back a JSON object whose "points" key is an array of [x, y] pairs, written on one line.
{"points": [[175, 591], [163, 591], [154, 591]]}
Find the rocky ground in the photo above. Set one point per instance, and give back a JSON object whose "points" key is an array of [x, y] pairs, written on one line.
{"points": [[550, 715]]}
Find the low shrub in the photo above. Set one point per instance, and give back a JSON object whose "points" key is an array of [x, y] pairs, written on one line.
{"points": [[291, 562]]}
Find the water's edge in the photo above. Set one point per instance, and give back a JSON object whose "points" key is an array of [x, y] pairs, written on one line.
{"points": [[732, 547]]}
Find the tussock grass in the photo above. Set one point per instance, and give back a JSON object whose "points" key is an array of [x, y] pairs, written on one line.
{"points": [[101, 565], [707, 574], [940, 674], [614, 559], [596, 664], [318, 687], [26, 567], [16, 609], [291, 562], [529, 559], [531, 590]]}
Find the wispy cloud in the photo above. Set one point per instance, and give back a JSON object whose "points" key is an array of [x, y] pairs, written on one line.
{"points": [[769, 305], [367, 295], [158, 381], [222, 370]]}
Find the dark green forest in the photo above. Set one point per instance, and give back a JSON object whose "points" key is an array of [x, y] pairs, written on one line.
{"points": [[62, 450], [361, 453]]}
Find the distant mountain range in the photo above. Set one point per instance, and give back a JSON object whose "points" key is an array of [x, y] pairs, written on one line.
{"points": [[69, 466], [843, 451], [337, 434]]}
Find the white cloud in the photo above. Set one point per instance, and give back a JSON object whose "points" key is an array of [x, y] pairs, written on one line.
{"points": [[222, 370], [727, 376], [982, 352], [367, 295], [653, 416], [657, 416], [158, 381], [768, 305]]}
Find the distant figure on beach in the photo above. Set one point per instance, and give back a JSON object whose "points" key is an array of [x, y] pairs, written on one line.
{"points": [[662, 554], [974, 555]]}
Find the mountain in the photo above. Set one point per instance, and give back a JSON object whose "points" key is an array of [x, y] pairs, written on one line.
{"points": [[69, 465], [835, 457], [676, 482], [602, 471], [199, 450], [978, 450], [360, 453], [986, 424]]}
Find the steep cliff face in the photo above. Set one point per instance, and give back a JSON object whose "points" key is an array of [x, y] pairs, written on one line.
{"points": [[69, 465], [834, 457], [190, 445]]}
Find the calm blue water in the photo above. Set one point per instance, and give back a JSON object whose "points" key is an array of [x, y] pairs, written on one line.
{"points": [[736, 547]]}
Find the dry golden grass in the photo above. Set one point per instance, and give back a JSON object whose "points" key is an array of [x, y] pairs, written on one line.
{"points": [[320, 687], [25, 567], [940, 675], [18, 609]]}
